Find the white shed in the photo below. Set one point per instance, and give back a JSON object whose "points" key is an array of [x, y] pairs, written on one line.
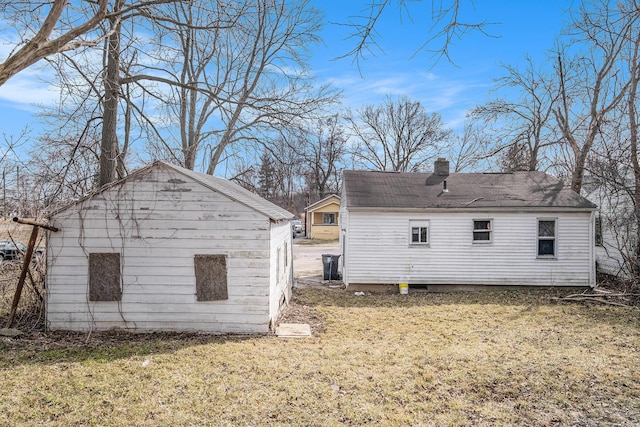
{"points": [[169, 249], [440, 230]]}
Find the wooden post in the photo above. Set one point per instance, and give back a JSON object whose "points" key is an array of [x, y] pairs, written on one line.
{"points": [[35, 224], [25, 265]]}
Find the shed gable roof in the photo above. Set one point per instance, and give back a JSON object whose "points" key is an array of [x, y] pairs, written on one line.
{"points": [[369, 189], [235, 192], [221, 185]]}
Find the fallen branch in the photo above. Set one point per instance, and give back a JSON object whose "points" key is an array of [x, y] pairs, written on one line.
{"points": [[608, 295], [590, 298]]}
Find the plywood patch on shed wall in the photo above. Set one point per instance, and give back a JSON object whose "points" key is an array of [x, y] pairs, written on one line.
{"points": [[211, 277], [104, 277]]}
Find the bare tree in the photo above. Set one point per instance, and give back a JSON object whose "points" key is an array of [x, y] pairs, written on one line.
{"points": [[397, 136], [72, 23], [322, 147], [447, 27], [289, 166], [197, 56], [470, 148], [258, 93], [524, 123], [242, 82], [590, 84], [614, 166]]}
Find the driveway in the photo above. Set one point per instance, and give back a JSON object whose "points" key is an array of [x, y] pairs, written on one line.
{"points": [[307, 258]]}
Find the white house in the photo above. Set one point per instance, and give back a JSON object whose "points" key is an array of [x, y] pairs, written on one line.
{"points": [[440, 230], [616, 231], [167, 248]]}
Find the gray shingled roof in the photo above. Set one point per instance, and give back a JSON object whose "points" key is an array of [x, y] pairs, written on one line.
{"points": [[368, 189], [235, 192], [226, 187]]}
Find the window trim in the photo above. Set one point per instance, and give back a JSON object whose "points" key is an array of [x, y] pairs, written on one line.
{"points": [[474, 231], [598, 239], [335, 218], [554, 238], [420, 224]]}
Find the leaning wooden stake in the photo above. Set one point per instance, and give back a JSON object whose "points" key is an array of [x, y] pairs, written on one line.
{"points": [[25, 265]]}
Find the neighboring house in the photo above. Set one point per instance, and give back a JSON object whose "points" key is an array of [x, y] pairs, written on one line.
{"points": [[169, 249], [616, 242], [444, 230], [323, 218]]}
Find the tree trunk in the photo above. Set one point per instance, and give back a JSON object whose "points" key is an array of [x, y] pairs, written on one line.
{"points": [[633, 140], [109, 142]]}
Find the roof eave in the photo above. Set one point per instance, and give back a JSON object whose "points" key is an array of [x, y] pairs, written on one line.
{"points": [[475, 209]]}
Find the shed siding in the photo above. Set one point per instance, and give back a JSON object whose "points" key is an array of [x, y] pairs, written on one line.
{"points": [[281, 270], [158, 223], [378, 250]]}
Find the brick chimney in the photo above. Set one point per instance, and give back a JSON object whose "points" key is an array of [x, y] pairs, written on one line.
{"points": [[441, 167]]}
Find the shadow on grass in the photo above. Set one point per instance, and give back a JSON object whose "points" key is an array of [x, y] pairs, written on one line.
{"points": [[39, 348], [100, 347]]}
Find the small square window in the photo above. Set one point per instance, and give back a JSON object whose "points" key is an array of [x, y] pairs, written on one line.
{"points": [[482, 230], [419, 233]]}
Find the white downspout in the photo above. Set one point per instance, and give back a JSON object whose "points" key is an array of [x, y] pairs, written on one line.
{"points": [[592, 249]]}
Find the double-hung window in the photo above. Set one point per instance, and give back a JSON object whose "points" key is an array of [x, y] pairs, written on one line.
{"points": [[547, 238], [419, 232], [598, 231], [482, 231]]}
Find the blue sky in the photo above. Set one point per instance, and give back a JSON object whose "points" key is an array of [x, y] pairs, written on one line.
{"points": [[521, 27]]}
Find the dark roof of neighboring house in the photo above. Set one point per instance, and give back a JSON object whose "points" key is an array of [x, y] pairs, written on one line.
{"points": [[369, 189]]}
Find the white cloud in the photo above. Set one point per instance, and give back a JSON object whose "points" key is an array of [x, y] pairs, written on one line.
{"points": [[27, 89], [449, 97]]}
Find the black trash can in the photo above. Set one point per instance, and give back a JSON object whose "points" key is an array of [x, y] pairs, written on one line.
{"points": [[330, 267]]}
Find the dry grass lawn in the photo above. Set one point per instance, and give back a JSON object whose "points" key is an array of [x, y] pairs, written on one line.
{"points": [[505, 358]]}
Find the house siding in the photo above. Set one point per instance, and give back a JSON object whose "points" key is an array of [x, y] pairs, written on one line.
{"points": [[377, 249], [617, 232], [609, 258], [158, 222], [344, 237]]}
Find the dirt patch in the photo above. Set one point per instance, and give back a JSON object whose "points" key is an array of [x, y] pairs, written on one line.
{"points": [[299, 312]]}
